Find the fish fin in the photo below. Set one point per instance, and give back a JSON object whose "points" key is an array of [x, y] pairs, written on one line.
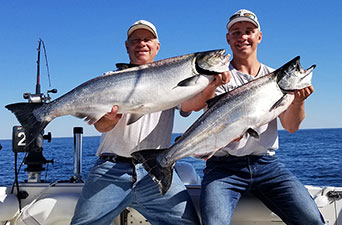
{"points": [[80, 115], [162, 176], [253, 133], [89, 118], [278, 103], [191, 81], [212, 101], [24, 114], [177, 138], [133, 118], [206, 156]]}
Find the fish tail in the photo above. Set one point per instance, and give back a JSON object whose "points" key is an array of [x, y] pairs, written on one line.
{"points": [[24, 114], [162, 176]]}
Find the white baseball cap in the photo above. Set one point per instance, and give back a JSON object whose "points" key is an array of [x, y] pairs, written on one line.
{"points": [[243, 15], [142, 24]]}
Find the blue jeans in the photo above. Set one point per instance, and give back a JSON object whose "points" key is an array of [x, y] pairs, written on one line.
{"points": [[227, 178], [111, 187]]}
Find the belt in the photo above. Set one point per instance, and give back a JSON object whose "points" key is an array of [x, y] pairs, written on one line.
{"points": [[116, 158]]}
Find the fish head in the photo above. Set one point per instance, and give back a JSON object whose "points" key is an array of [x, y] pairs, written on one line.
{"points": [[292, 76], [212, 62]]}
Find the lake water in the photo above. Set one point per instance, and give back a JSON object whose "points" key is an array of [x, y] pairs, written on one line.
{"points": [[313, 155]]}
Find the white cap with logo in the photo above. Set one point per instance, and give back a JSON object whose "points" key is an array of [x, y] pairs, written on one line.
{"points": [[243, 15], [142, 24]]}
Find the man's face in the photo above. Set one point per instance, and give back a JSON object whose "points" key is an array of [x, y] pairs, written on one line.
{"points": [[142, 47], [243, 38]]}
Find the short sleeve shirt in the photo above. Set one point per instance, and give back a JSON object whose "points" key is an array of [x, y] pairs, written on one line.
{"points": [[268, 133]]}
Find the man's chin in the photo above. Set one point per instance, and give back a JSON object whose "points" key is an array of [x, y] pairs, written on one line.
{"points": [[142, 60]]}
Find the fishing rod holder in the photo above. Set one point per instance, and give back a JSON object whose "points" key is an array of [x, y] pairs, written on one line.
{"points": [[35, 159], [77, 159]]}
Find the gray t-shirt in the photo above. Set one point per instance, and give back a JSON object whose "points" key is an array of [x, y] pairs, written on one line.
{"points": [[268, 133]]}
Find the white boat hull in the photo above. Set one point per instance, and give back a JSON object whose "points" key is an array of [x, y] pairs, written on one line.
{"points": [[54, 205]]}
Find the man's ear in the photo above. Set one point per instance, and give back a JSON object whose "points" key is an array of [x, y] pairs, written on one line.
{"points": [[260, 37], [158, 46], [227, 38], [126, 44]]}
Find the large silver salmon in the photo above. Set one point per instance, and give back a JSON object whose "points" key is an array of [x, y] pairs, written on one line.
{"points": [[140, 90], [229, 116]]}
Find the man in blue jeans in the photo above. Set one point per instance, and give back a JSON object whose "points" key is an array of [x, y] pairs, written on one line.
{"points": [[114, 182], [248, 164]]}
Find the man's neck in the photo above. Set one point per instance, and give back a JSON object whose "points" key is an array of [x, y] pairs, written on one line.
{"points": [[249, 66], [122, 66]]}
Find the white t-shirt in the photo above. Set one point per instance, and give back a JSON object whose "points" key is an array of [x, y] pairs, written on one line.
{"points": [[152, 131], [268, 133]]}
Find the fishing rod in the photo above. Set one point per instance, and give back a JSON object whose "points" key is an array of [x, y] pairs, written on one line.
{"points": [[34, 158], [39, 97], [38, 68]]}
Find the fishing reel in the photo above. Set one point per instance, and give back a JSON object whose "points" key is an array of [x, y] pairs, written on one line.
{"points": [[40, 97]]}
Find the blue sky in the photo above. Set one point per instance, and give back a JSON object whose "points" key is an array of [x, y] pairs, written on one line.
{"points": [[86, 38]]}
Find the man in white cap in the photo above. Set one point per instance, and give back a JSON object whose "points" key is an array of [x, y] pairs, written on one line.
{"points": [[114, 182], [248, 164]]}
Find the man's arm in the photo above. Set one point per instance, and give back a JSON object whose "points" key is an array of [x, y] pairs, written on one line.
{"points": [[199, 101], [108, 121], [295, 114]]}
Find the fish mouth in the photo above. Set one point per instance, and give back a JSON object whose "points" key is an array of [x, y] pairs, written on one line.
{"points": [[305, 80], [292, 76], [212, 62]]}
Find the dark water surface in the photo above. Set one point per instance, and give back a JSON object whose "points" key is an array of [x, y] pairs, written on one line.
{"points": [[313, 155]]}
